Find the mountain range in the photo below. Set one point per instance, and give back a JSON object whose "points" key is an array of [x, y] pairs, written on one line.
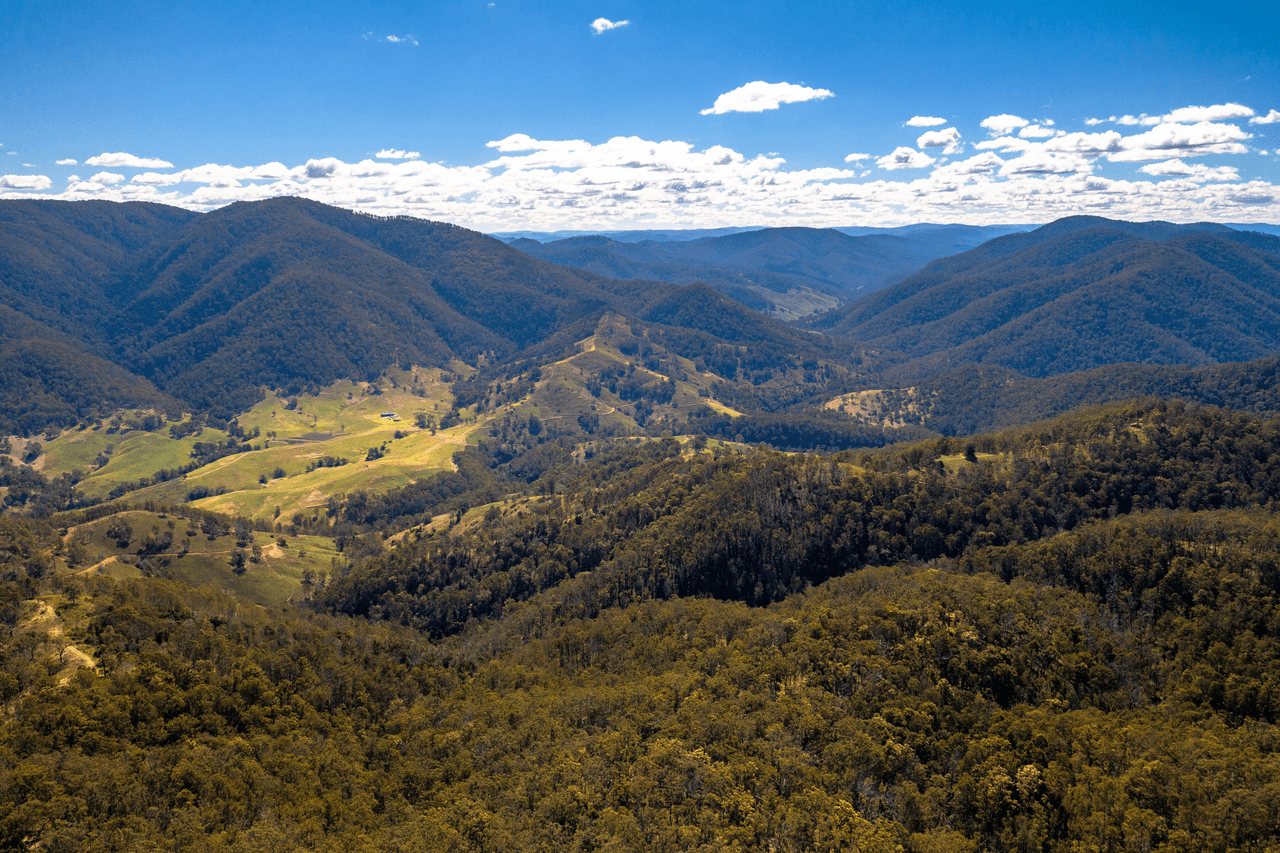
{"points": [[786, 272], [287, 293], [107, 305]]}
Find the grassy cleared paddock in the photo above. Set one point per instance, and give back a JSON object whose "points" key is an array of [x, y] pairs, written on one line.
{"points": [[131, 455], [344, 421], [196, 559]]}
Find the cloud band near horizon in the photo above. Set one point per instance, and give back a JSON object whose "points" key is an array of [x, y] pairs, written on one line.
{"points": [[1040, 174]]}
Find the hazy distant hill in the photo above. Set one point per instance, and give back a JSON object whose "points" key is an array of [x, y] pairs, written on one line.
{"points": [[788, 272], [1081, 293]]}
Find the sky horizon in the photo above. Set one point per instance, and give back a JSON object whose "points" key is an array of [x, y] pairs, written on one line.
{"points": [[507, 115]]}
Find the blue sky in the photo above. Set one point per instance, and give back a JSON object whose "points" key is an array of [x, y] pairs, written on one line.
{"points": [[521, 114]]}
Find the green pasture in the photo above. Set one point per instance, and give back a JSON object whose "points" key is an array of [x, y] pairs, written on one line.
{"points": [[132, 455], [195, 559], [343, 421]]}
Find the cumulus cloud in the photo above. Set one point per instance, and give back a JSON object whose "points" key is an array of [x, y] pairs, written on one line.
{"points": [[1217, 112], [1037, 131], [948, 140], [603, 25], [1139, 119], [1092, 121], [1270, 118], [925, 121], [397, 154], [524, 142], [1082, 144], [67, 162], [758, 96], [981, 164], [24, 182], [1040, 162], [629, 182], [905, 158], [1003, 124], [127, 161], [1181, 140], [1191, 171]]}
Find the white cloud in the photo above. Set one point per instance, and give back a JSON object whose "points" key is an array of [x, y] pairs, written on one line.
{"points": [[981, 164], [397, 154], [1191, 171], [630, 182], [524, 142], [156, 179], [759, 96], [602, 25], [24, 182], [1217, 112], [905, 158], [857, 158], [1270, 118], [67, 162], [1139, 119], [1082, 144], [1003, 124], [128, 161], [1040, 162], [408, 38], [925, 121], [1092, 121], [1036, 131], [1181, 140], [948, 140]]}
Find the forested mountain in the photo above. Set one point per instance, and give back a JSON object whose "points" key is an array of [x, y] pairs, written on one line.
{"points": [[786, 272], [1081, 293], [289, 293]]}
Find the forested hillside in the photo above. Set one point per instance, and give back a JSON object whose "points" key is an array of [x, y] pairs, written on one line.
{"points": [[981, 398], [1056, 636], [1077, 294], [651, 522]]}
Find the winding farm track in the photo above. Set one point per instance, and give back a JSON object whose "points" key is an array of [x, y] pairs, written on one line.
{"points": [[43, 618]]}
